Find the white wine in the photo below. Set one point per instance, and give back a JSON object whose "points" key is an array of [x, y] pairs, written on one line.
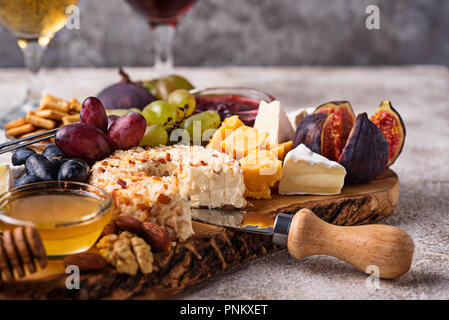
{"points": [[31, 19], [34, 23]]}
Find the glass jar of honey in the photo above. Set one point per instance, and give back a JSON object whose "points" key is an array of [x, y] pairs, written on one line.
{"points": [[69, 216]]}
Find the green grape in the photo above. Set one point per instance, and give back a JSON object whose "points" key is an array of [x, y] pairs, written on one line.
{"points": [[179, 82], [150, 85], [160, 112], [183, 101], [167, 85], [163, 88], [203, 121], [155, 135], [117, 112]]}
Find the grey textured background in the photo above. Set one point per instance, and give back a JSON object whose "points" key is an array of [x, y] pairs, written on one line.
{"points": [[255, 32]]}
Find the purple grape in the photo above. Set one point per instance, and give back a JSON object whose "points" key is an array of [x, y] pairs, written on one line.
{"points": [[127, 131], [80, 140], [93, 113], [111, 119]]}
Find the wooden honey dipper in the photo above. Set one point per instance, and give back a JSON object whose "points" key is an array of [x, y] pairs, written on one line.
{"points": [[19, 249]]}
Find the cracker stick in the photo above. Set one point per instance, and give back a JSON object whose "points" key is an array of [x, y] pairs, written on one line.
{"points": [[71, 119], [31, 133], [29, 113], [54, 103], [41, 122], [51, 114], [74, 105], [16, 123], [20, 130]]}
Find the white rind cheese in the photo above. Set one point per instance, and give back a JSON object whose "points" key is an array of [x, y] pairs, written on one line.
{"points": [[306, 172], [272, 118], [6, 178]]}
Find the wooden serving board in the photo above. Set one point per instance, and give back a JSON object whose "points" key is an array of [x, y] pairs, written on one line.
{"points": [[212, 250]]}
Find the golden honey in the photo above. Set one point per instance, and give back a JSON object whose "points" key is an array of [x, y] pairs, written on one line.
{"points": [[68, 220], [257, 219]]}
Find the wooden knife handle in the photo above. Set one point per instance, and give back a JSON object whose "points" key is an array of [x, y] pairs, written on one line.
{"points": [[388, 248]]}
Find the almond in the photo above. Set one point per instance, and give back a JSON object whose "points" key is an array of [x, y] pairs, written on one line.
{"points": [[86, 261], [162, 198], [155, 236], [109, 229], [130, 224]]}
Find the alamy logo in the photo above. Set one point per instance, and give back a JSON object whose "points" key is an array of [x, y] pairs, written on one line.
{"points": [[373, 20], [372, 282], [73, 280], [73, 21]]}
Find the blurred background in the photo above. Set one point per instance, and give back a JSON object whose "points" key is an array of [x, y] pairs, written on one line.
{"points": [[254, 32]]}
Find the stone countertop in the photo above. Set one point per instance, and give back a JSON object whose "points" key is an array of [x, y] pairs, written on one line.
{"points": [[419, 93]]}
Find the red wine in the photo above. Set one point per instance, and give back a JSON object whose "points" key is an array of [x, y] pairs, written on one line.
{"points": [[162, 11]]}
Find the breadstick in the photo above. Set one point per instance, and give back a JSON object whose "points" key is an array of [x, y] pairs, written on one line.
{"points": [[41, 123], [74, 105], [71, 119], [20, 130], [31, 133], [16, 123], [51, 114], [54, 103]]}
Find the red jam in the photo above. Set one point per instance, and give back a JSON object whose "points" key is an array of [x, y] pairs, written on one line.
{"points": [[228, 105]]}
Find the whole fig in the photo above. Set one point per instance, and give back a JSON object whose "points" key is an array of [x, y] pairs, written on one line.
{"points": [[365, 155], [125, 95]]}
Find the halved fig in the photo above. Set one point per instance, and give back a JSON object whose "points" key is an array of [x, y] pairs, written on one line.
{"points": [[337, 129], [390, 123], [365, 155], [309, 131]]}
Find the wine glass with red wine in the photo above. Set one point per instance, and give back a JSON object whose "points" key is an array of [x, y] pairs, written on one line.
{"points": [[163, 16]]}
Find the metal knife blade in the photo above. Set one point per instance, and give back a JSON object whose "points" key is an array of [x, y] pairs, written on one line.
{"points": [[246, 221]]}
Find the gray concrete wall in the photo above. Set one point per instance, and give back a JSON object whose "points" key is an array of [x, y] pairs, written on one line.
{"points": [[255, 32]]}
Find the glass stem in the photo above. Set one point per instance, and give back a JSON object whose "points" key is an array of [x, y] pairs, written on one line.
{"points": [[163, 49], [32, 52]]}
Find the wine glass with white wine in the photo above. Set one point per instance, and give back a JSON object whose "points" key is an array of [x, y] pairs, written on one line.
{"points": [[34, 23]]}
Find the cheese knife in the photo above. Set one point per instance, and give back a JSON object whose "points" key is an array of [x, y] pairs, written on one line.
{"points": [[388, 248]]}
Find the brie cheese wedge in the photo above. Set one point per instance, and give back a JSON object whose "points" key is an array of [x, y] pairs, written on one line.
{"points": [[272, 118], [306, 172], [6, 178]]}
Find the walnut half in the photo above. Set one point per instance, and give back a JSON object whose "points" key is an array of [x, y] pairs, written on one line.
{"points": [[143, 254], [127, 253]]}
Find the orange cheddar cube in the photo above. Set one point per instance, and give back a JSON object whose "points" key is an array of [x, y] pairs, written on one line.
{"points": [[261, 170], [243, 141], [228, 126], [281, 150]]}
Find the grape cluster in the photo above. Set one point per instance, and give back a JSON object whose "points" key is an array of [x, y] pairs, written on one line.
{"points": [[96, 136], [52, 164], [163, 116]]}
